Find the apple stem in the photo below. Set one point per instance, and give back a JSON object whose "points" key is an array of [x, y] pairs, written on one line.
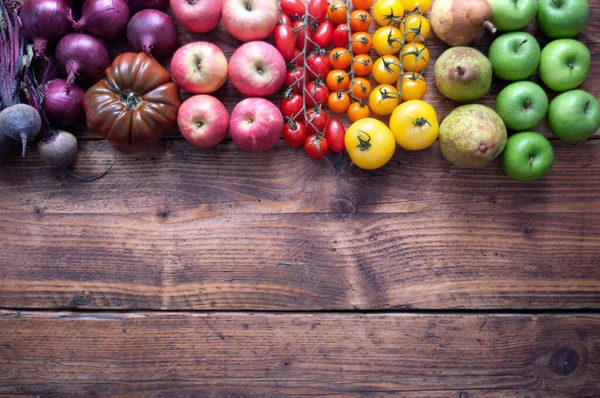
{"points": [[530, 161], [520, 44], [586, 106], [490, 26], [571, 65], [527, 104], [557, 3]]}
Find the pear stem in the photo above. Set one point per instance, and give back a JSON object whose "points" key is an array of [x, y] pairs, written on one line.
{"points": [[586, 106], [483, 148], [460, 70], [490, 26], [520, 44]]}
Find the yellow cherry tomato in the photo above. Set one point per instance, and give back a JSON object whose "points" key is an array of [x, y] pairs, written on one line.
{"points": [[414, 87], [415, 125], [417, 28], [423, 5], [416, 57], [384, 99], [358, 111], [386, 70], [387, 40], [388, 12], [370, 143]]}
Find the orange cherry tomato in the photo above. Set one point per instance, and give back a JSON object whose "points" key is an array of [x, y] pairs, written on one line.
{"points": [[338, 102], [416, 57], [339, 58], [361, 42], [414, 87], [360, 20], [361, 88], [363, 64], [336, 12], [362, 4], [358, 110], [337, 80]]}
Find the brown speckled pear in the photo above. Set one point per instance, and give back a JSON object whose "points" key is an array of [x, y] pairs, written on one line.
{"points": [[459, 22]]}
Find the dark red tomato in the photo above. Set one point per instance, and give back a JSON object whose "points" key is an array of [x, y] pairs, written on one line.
{"points": [[293, 78], [293, 8], [318, 66], [318, 9], [284, 19], [292, 105], [335, 134], [299, 58], [316, 93], [324, 34], [316, 121], [284, 41], [340, 36], [316, 147], [294, 133], [300, 31]]}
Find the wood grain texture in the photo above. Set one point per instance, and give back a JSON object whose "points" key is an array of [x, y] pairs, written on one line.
{"points": [[185, 355]]}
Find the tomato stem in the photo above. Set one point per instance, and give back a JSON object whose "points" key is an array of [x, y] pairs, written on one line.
{"points": [[350, 49], [363, 143]]}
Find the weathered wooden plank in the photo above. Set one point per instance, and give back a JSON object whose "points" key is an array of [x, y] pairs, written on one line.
{"points": [[236, 354], [196, 259]]}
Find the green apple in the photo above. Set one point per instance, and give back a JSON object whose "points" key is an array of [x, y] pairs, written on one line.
{"points": [[514, 56], [508, 15], [522, 105], [528, 156], [562, 18], [574, 115], [564, 64]]}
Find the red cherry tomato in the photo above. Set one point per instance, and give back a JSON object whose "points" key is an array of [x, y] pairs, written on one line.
{"points": [[294, 133], [319, 94], [284, 19], [293, 78], [324, 34], [300, 32], [316, 147], [318, 9], [318, 66], [340, 36], [292, 105], [335, 134], [316, 121], [284, 41], [299, 58], [293, 8]]}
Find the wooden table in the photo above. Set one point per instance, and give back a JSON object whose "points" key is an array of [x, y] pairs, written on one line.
{"points": [[215, 272]]}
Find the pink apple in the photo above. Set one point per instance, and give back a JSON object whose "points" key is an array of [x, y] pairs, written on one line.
{"points": [[203, 120], [255, 124], [257, 69], [199, 16], [249, 20], [199, 67]]}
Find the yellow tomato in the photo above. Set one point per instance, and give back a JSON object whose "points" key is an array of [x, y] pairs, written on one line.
{"points": [[415, 125], [414, 87], [386, 70], [423, 5], [384, 99], [417, 28], [416, 57], [387, 40], [388, 12], [370, 143]]}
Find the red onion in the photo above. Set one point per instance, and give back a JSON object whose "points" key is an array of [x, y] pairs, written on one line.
{"points": [[83, 57], [153, 32], [105, 19], [145, 4], [63, 103], [45, 21]]}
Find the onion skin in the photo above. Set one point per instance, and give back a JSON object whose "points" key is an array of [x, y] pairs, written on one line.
{"points": [[63, 103], [59, 150], [45, 21], [152, 32], [146, 4], [82, 57], [104, 19]]}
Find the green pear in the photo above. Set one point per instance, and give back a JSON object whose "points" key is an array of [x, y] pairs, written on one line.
{"points": [[472, 136], [463, 74]]}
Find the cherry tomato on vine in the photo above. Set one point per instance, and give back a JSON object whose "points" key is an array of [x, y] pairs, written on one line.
{"points": [[335, 134], [338, 102], [423, 5], [316, 120], [291, 105], [363, 64], [317, 66], [337, 80], [357, 111], [318, 9], [417, 28], [293, 8], [300, 33], [360, 20], [416, 57], [361, 42], [388, 12], [299, 58], [293, 79], [415, 125], [386, 70], [284, 19], [370, 143], [294, 133], [284, 41], [387, 40], [316, 147], [316, 93], [339, 58], [336, 12], [384, 99], [340, 36], [362, 4], [324, 34], [361, 88], [414, 87]]}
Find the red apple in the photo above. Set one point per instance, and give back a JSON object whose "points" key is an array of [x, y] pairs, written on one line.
{"points": [[255, 124], [197, 15], [249, 20], [257, 69], [199, 67], [203, 120]]}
